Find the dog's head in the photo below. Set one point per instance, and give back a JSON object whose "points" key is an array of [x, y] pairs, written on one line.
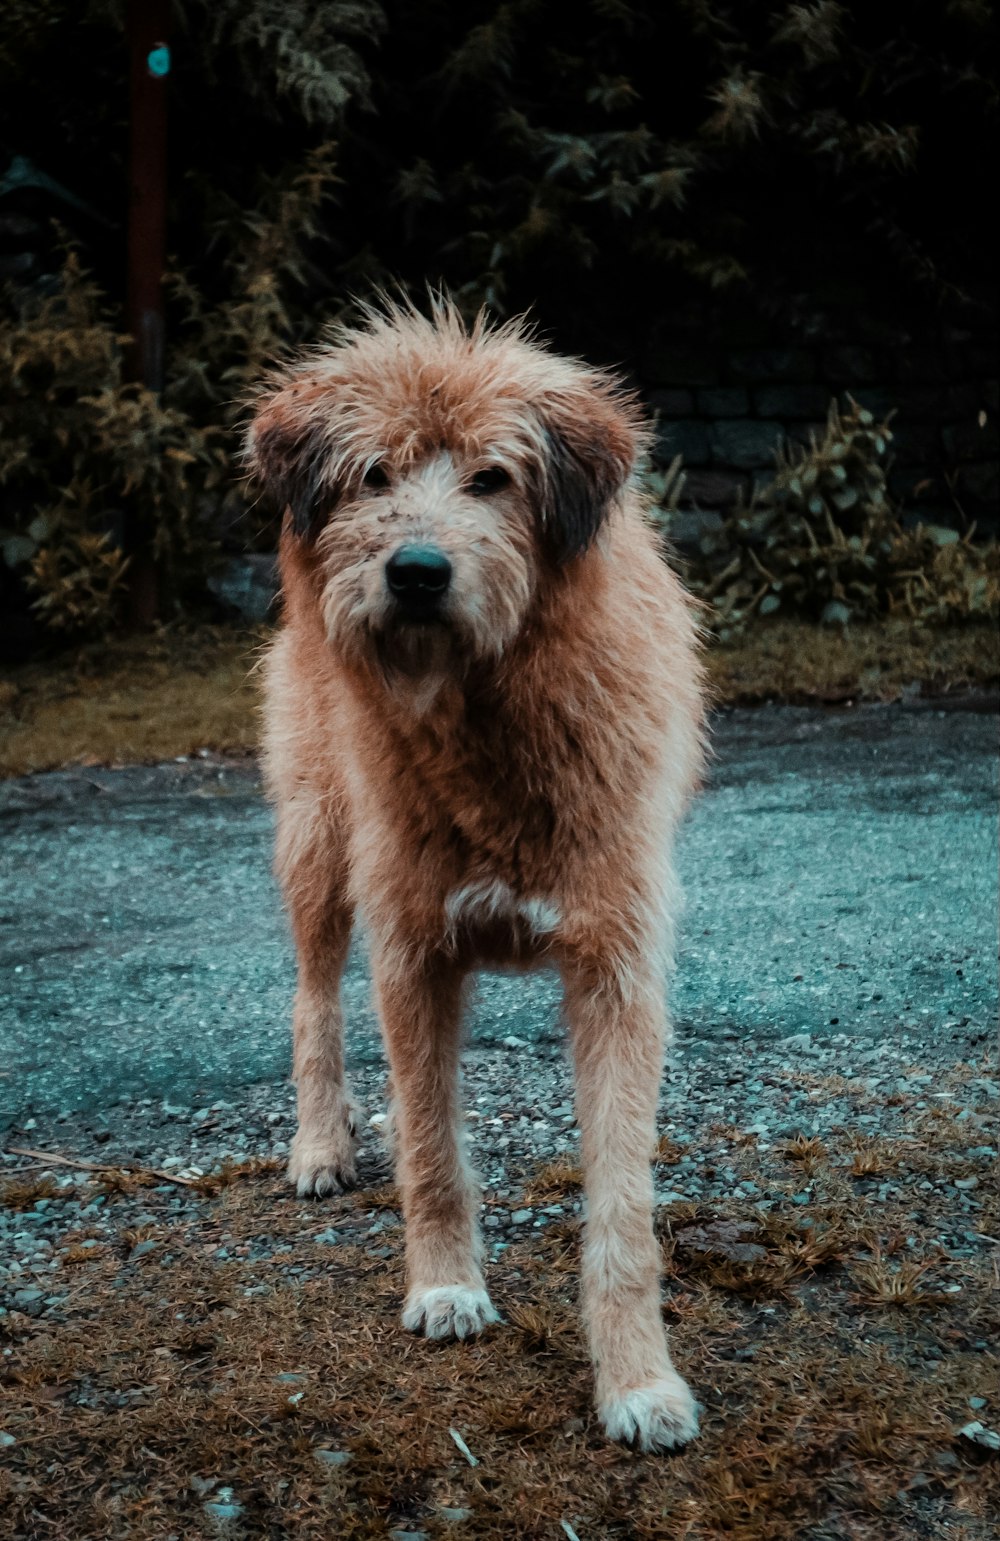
{"points": [[440, 475]]}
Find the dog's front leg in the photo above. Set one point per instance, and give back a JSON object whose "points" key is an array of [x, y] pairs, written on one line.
{"points": [[617, 1020], [310, 867], [420, 1008]]}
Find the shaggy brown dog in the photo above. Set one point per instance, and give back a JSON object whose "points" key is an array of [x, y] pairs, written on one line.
{"points": [[483, 720]]}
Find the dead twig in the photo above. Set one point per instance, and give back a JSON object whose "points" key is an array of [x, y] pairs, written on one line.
{"points": [[48, 1156]]}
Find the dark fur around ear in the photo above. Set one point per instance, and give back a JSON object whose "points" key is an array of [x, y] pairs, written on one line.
{"points": [[581, 481], [587, 466], [287, 452]]}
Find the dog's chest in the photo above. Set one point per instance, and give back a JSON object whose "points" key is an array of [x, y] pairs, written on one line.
{"points": [[489, 800]]}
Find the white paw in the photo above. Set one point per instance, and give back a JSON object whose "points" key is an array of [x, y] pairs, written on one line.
{"points": [[384, 1125], [322, 1167], [451, 1311], [658, 1416]]}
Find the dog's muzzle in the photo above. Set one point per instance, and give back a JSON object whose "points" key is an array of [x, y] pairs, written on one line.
{"points": [[418, 578]]}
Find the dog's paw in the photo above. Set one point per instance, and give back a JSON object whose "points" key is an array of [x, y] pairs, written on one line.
{"points": [[384, 1125], [658, 1416], [451, 1311], [322, 1167]]}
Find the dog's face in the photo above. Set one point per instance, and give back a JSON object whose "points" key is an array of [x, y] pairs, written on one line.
{"points": [[440, 476]]}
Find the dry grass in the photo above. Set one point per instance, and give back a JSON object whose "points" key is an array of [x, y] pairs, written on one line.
{"points": [[132, 701], [788, 661], [834, 1349], [142, 699], [554, 1180]]}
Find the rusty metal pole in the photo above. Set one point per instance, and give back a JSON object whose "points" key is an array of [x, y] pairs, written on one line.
{"points": [[147, 26]]}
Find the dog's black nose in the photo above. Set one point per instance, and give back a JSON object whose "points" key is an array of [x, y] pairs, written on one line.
{"points": [[418, 576]]}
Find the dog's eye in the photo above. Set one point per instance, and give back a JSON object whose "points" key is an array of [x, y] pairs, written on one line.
{"points": [[490, 480], [375, 477]]}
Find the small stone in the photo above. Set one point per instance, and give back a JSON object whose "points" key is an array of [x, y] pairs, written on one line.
{"points": [[328, 1238], [456, 1516], [6, 1440], [223, 1513], [977, 1403], [798, 1043], [142, 1247], [332, 1457], [965, 1183], [521, 1216], [989, 1439]]}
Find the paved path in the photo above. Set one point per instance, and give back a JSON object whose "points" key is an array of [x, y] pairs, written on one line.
{"points": [[841, 872]]}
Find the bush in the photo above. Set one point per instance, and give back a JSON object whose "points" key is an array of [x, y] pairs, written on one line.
{"points": [[525, 153], [80, 449], [822, 541]]}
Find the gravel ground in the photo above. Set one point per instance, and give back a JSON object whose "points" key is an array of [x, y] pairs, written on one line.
{"points": [[727, 1114], [825, 1179], [840, 872]]}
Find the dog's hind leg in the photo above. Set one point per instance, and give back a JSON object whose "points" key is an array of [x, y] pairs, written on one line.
{"points": [[617, 1020], [312, 869], [420, 1005]]}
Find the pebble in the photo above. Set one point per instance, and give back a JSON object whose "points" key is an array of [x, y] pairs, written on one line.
{"points": [[332, 1457], [988, 1438], [223, 1513]]}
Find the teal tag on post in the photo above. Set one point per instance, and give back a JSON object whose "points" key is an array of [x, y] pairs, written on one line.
{"points": [[158, 60]]}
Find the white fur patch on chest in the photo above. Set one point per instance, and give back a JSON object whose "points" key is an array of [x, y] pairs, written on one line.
{"points": [[490, 900]]}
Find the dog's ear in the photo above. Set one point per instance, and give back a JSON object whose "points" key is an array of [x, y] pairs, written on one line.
{"points": [[288, 450], [592, 440]]}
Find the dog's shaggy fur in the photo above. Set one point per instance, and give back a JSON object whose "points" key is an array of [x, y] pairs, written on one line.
{"points": [[493, 777]]}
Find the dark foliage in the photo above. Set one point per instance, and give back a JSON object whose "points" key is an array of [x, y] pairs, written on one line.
{"points": [[613, 165]]}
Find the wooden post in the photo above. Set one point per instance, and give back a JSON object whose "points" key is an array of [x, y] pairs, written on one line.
{"points": [[147, 26]]}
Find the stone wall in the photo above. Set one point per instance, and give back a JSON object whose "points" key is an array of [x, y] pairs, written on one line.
{"points": [[724, 409]]}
